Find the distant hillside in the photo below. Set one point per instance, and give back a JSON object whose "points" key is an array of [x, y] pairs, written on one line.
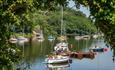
{"points": [[74, 21]]}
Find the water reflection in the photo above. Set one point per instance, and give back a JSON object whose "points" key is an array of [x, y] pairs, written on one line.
{"points": [[35, 53], [58, 66]]}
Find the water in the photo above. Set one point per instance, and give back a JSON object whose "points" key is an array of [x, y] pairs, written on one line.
{"points": [[35, 53]]}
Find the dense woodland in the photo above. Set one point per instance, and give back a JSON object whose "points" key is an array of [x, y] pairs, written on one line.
{"points": [[73, 22]]}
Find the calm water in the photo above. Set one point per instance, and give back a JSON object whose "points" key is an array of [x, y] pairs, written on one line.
{"points": [[35, 53]]}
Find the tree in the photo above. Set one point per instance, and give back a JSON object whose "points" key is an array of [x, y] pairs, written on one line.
{"points": [[103, 12], [13, 11], [50, 21]]}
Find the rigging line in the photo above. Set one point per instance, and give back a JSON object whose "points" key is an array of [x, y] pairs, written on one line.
{"points": [[63, 30], [85, 45], [61, 20], [78, 45]]}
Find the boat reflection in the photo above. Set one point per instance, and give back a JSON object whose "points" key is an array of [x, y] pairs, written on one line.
{"points": [[113, 59], [58, 66]]}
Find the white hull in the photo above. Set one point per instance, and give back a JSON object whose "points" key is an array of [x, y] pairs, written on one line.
{"points": [[57, 60], [51, 39], [22, 39], [95, 36], [78, 37], [58, 65], [13, 40]]}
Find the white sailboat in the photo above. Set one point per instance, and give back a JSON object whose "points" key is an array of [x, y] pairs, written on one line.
{"points": [[78, 38], [60, 47], [57, 59], [22, 39], [13, 39], [39, 36], [63, 45], [95, 36]]}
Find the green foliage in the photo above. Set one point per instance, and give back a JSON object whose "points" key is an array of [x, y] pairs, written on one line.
{"points": [[21, 12], [9, 54], [11, 13], [103, 11], [72, 19], [50, 21]]}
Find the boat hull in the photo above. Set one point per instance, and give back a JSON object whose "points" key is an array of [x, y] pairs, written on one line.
{"points": [[97, 50], [63, 65], [57, 61]]}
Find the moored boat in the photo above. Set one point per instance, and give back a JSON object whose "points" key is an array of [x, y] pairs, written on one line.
{"points": [[95, 36], [13, 40], [21, 38], [56, 59], [51, 38], [98, 49]]}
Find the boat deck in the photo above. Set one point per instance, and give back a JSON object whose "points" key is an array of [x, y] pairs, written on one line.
{"points": [[81, 55]]}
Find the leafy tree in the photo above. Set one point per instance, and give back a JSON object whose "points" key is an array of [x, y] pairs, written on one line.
{"points": [[50, 21], [103, 12], [11, 13], [16, 12]]}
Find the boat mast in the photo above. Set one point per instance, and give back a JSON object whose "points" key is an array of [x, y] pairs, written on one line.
{"points": [[63, 32], [61, 20]]}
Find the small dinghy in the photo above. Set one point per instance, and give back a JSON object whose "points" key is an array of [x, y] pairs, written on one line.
{"points": [[57, 59], [51, 38], [13, 40], [23, 39], [98, 49]]}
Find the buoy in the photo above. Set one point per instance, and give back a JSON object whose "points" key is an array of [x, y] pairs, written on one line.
{"points": [[105, 49]]}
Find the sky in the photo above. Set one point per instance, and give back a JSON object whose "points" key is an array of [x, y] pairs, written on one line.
{"points": [[83, 9]]}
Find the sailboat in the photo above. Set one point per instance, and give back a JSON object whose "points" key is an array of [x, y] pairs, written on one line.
{"points": [[98, 49], [63, 45], [60, 47], [57, 59], [13, 39], [39, 36]]}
